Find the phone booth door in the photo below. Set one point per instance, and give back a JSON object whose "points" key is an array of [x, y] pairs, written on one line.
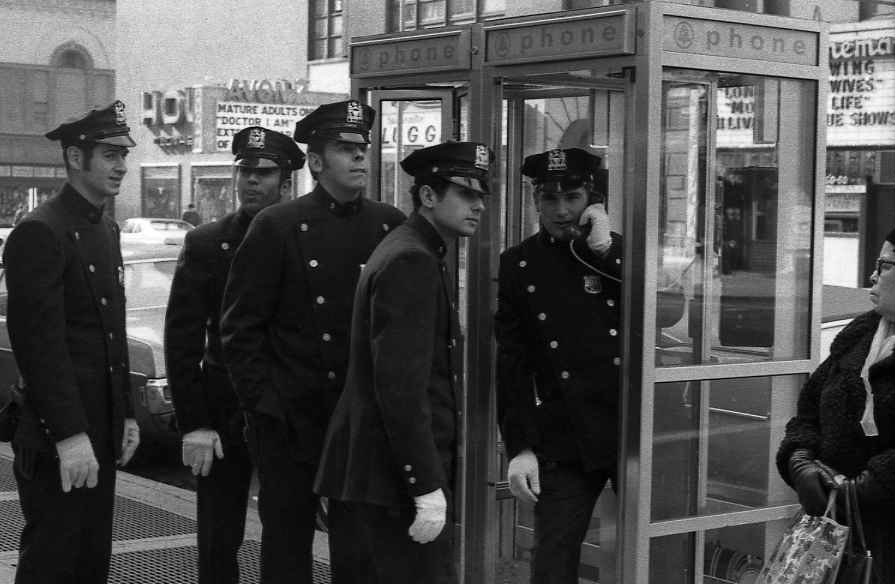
{"points": [[585, 107]]}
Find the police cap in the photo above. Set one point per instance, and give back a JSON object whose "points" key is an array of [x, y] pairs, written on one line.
{"points": [[257, 147], [102, 126], [464, 163], [344, 121], [562, 170]]}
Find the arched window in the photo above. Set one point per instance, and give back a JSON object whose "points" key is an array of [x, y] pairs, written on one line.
{"points": [[71, 56]]}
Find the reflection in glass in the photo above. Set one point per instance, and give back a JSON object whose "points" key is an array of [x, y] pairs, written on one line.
{"points": [[713, 445], [735, 217], [161, 191], [405, 126], [540, 113], [558, 122], [717, 556], [14, 203], [213, 191]]}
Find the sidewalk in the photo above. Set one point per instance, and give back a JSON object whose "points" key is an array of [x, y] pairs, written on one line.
{"points": [[154, 536]]}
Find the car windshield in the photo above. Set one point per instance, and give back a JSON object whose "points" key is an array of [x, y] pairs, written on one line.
{"points": [[170, 225], [148, 283]]}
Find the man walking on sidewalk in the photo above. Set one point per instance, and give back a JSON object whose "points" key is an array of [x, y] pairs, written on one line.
{"points": [[208, 413], [66, 324]]}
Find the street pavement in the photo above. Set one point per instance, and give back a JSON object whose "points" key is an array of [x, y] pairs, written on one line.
{"points": [[154, 537]]}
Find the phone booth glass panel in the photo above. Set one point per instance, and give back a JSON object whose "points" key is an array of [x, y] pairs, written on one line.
{"points": [[708, 123]]}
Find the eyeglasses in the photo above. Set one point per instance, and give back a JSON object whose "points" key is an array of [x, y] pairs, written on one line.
{"points": [[883, 265]]}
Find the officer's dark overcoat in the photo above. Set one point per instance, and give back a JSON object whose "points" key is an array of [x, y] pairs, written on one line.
{"points": [[66, 324], [200, 385], [287, 307], [393, 435], [559, 347]]}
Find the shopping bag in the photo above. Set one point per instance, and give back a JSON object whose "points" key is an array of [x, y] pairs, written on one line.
{"points": [[857, 561], [810, 551]]}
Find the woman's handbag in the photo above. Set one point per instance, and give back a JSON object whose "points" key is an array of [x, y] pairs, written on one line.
{"points": [[857, 561], [810, 552]]}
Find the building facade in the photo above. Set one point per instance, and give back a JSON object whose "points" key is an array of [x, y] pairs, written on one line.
{"points": [[860, 202], [193, 74], [57, 59]]}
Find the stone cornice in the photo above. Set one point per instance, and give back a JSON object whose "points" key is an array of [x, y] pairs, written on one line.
{"points": [[85, 8]]}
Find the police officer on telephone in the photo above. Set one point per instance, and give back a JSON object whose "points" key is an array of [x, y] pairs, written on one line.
{"points": [[208, 412], [66, 322], [557, 328], [286, 320]]}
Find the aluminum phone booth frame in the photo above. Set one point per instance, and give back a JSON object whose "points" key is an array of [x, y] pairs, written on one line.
{"points": [[711, 123]]}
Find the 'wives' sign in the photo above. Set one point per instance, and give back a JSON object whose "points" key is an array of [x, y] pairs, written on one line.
{"points": [[861, 98]]}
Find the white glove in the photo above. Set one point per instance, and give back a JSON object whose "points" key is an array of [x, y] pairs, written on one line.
{"points": [[431, 514], [129, 441], [77, 463], [598, 240], [524, 477], [199, 449]]}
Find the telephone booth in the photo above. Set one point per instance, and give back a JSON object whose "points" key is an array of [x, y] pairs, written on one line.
{"points": [[710, 124]]}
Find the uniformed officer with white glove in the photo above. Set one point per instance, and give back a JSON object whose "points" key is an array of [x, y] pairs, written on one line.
{"points": [[66, 321], [557, 327], [389, 460], [206, 405]]}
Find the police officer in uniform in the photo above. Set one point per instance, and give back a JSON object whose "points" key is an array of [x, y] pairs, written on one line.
{"points": [[286, 318], [66, 324], [558, 343], [208, 413], [389, 460]]}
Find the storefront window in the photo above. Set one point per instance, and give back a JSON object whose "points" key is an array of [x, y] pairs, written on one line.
{"points": [[160, 188], [852, 167], [213, 191], [736, 218], [24, 187], [13, 203]]}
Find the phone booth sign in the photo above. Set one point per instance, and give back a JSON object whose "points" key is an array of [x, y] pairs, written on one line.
{"points": [[709, 125], [425, 53]]}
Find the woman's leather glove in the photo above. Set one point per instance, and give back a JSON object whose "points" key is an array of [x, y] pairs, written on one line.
{"points": [[812, 479]]}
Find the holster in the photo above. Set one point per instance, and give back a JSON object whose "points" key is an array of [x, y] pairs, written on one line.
{"points": [[11, 412]]}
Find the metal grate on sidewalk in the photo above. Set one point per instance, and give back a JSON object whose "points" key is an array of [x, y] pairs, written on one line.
{"points": [[12, 521], [179, 565], [7, 479], [132, 520], [136, 520]]}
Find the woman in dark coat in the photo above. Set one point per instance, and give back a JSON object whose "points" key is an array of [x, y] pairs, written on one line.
{"points": [[837, 429]]}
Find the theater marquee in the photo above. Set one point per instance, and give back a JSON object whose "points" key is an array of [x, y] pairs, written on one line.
{"points": [[861, 98]]}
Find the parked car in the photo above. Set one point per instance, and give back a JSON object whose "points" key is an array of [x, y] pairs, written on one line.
{"points": [[154, 230], [148, 271], [5, 230]]}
